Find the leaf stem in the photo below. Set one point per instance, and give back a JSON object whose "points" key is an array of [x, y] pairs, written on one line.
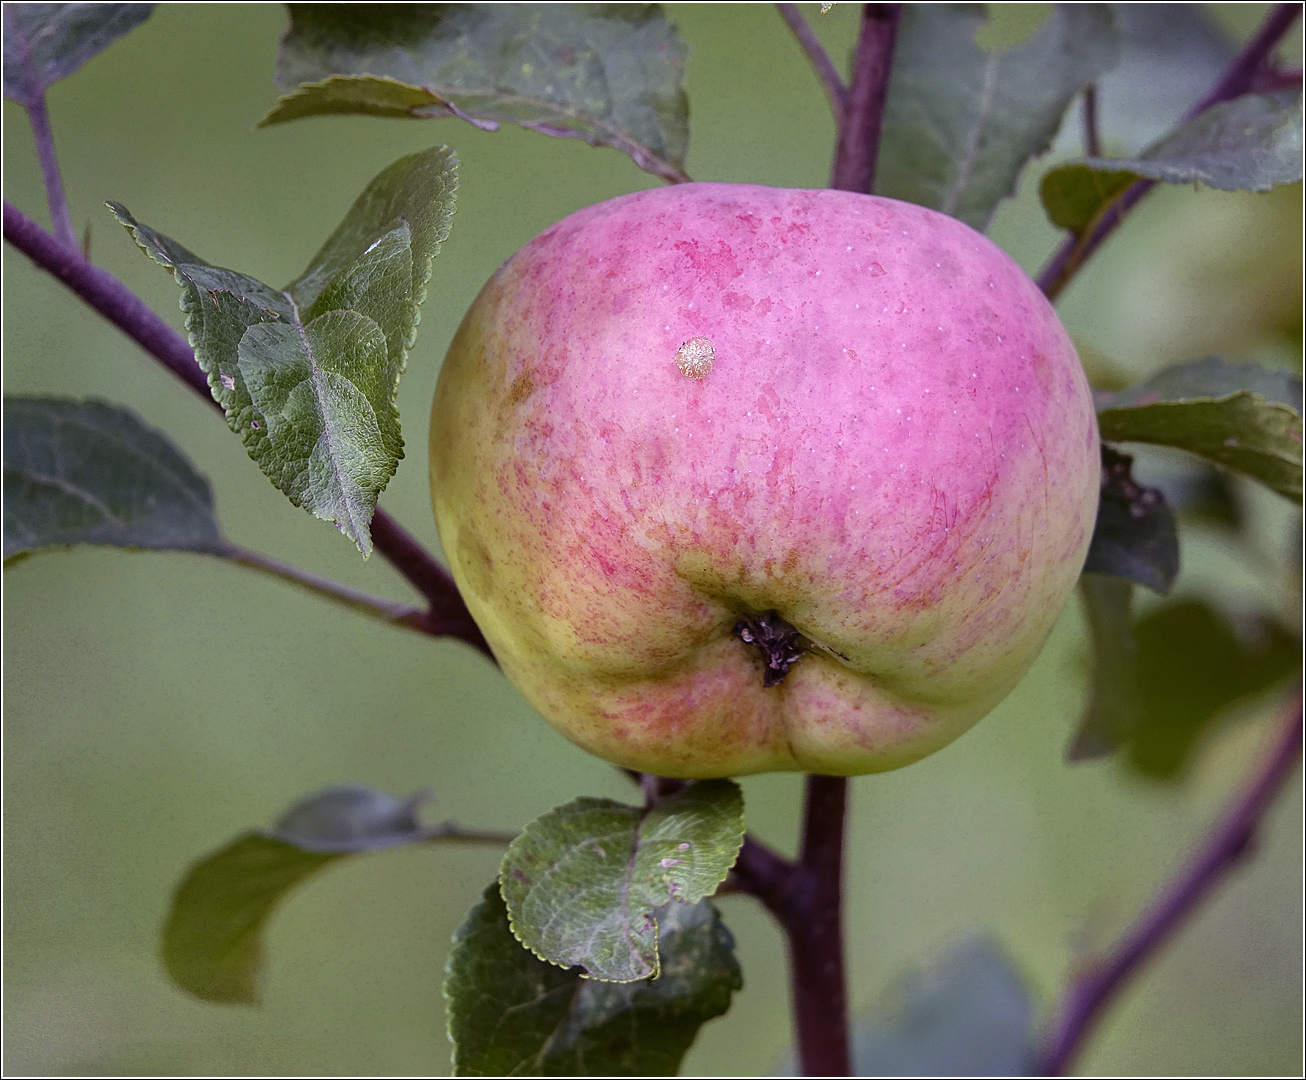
{"points": [[820, 60], [42, 134], [449, 833], [378, 607], [1240, 77], [1092, 141], [447, 615], [1228, 843], [859, 134]]}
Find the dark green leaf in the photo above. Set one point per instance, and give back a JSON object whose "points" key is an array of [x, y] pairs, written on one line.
{"points": [[1250, 144], [1238, 415], [582, 881], [960, 123], [1074, 196], [609, 74], [44, 43], [1192, 663], [511, 1014], [968, 1015], [1135, 535], [1114, 706], [308, 375], [212, 942], [84, 472]]}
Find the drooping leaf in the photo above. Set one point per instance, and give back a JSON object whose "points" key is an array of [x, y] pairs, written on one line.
{"points": [[44, 43], [308, 375], [1074, 196], [1248, 144], [1114, 705], [609, 74], [1192, 662], [511, 1014], [960, 123], [212, 941], [1135, 536], [1170, 56], [1237, 415], [582, 881], [970, 1014], [85, 472]]}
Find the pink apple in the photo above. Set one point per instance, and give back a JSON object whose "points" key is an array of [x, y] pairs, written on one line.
{"points": [[679, 423]]}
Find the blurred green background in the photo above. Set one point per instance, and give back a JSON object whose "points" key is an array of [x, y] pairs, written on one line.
{"points": [[158, 704]]}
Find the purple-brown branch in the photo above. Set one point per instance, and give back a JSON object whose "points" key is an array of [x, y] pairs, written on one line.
{"points": [[446, 616], [1094, 988], [1242, 76], [820, 60], [859, 134]]}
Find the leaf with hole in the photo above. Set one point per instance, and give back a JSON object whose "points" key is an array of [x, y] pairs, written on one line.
{"points": [[611, 75], [44, 43], [86, 472], [582, 881], [960, 123], [308, 375], [511, 1014], [1240, 416], [213, 939]]}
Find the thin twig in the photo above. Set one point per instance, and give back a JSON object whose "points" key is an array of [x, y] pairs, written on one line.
{"points": [[378, 607], [1224, 848], [859, 134], [1236, 81], [1092, 142], [448, 615], [835, 90], [42, 135], [449, 833]]}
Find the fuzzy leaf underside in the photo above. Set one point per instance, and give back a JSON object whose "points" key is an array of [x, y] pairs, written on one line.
{"points": [[611, 75], [212, 940], [1240, 416], [44, 43], [512, 1014], [960, 123], [86, 472], [308, 375], [1161, 681], [581, 882]]}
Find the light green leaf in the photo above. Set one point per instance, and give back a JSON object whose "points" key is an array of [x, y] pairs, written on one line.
{"points": [[1248, 144], [44, 43], [1074, 196], [582, 881], [308, 375], [511, 1014], [609, 74], [960, 123], [1238, 415], [85, 472], [212, 941]]}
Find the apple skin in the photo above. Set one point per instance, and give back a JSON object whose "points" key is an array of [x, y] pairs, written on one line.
{"points": [[895, 449]]}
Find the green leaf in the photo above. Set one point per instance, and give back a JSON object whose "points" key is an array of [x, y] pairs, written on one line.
{"points": [[1135, 536], [960, 123], [1074, 196], [582, 881], [85, 472], [44, 43], [609, 74], [1248, 144], [511, 1014], [970, 1014], [308, 375], [1237, 415], [212, 941], [1114, 706]]}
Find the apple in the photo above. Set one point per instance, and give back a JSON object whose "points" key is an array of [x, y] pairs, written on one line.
{"points": [[737, 479]]}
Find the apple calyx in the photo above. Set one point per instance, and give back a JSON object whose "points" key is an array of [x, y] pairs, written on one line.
{"points": [[779, 643]]}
